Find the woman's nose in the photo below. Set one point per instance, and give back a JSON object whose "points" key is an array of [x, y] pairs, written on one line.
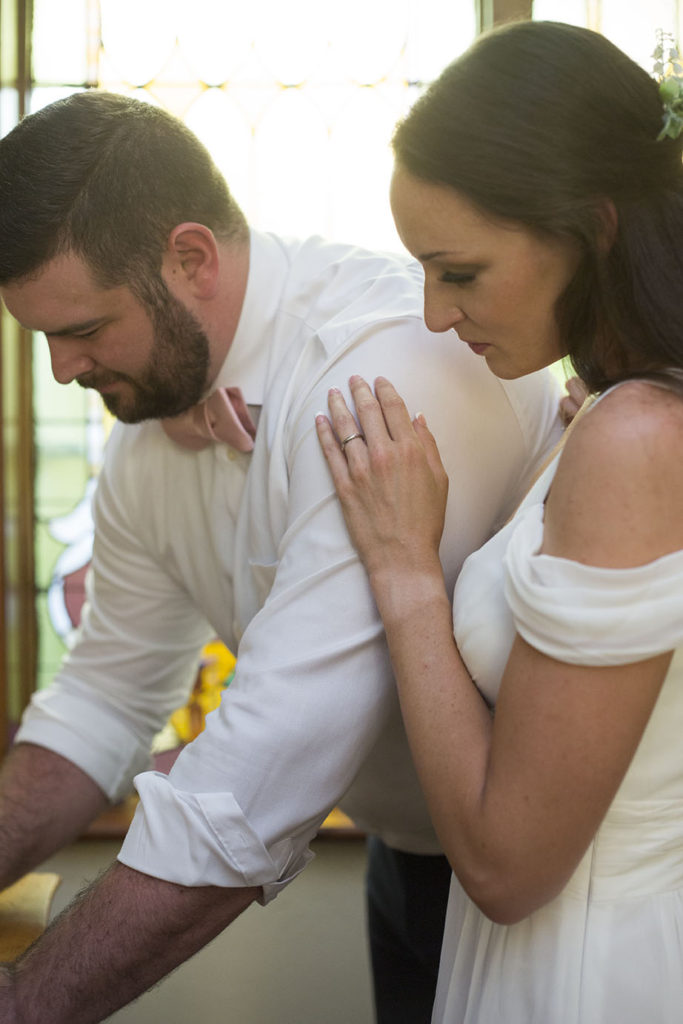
{"points": [[441, 316]]}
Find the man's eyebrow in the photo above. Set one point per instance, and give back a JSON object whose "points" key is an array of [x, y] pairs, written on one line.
{"points": [[79, 328]]}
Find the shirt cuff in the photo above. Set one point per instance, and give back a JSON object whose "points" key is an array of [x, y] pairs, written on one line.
{"points": [[88, 735], [204, 839]]}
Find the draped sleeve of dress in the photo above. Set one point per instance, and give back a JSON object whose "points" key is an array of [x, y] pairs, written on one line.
{"points": [[609, 948]]}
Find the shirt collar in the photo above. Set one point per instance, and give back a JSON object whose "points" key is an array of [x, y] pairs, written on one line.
{"points": [[246, 362]]}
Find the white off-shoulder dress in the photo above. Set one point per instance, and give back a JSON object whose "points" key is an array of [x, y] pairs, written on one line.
{"points": [[609, 948]]}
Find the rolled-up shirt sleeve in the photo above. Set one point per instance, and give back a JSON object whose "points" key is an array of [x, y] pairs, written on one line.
{"points": [[135, 654], [311, 692]]}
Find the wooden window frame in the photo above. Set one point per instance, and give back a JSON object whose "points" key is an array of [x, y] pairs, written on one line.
{"points": [[18, 621]]}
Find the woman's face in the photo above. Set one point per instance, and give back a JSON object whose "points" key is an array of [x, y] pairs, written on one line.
{"points": [[494, 282]]}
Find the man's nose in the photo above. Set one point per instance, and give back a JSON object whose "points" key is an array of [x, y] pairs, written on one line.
{"points": [[69, 359]]}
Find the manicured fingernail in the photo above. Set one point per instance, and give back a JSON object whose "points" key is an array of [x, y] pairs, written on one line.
{"points": [[421, 419], [334, 391], [320, 417]]}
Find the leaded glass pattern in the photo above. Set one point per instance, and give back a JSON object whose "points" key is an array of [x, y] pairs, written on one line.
{"points": [[296, 101]]}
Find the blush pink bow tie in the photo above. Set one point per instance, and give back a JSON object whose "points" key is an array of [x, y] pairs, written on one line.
{"points": [[223, 416]]}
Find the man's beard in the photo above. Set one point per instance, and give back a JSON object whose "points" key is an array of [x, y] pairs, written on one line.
{"points": [[176, 375]]}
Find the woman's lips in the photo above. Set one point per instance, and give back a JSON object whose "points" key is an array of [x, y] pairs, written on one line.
{"points": [[479, 348]]}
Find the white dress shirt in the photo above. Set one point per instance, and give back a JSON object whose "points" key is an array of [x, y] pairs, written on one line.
{"points": [[253, 549]]}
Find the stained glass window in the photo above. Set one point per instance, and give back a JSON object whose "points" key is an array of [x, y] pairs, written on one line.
{"points": [[296, 101]]}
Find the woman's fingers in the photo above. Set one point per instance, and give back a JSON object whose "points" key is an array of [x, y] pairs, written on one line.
{"points": [[577, 390], [369, 412], [382, 417], [342, 419], [392, 489], [394, 412], [382, 414], [573, 400], [431, 450], [332, 450]]}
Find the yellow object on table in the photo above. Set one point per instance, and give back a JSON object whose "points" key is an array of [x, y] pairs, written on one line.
{"points": [[217, 667], [24, 912], [215, 672]]}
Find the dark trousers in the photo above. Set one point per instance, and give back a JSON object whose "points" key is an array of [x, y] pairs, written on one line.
{"points": [[407, 895]]}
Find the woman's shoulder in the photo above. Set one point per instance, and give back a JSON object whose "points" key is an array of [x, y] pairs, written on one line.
{"points": [[636, 420], [658, 395], [617, 496]]}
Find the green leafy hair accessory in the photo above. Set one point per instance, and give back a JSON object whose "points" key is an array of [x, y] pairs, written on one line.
{"points": [[669, 72]]}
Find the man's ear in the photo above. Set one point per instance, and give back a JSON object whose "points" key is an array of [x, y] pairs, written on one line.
{"points": [[191, 260]]}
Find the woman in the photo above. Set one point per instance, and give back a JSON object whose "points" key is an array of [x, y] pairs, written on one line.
{"points": [[531, 183]]}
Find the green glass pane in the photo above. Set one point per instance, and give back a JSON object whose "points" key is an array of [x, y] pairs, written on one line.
{"points": [[52, 400], [8, 49], [60, 481], [47, 551], [51, 647]]}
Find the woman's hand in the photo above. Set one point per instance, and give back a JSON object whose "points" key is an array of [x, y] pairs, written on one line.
{"points": [[570, 404], [390, 480]]}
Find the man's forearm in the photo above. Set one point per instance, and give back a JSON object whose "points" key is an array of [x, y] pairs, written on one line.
{"points": [[45, 803], [117, 939]]}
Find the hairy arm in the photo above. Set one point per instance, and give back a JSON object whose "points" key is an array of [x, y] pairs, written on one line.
{"points": [[45, 803], [123, 934], [516, 799]]}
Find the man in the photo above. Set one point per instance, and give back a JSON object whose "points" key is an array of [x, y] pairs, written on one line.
{"points": [[120, 241]]}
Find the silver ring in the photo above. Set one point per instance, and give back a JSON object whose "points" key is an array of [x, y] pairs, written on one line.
{"points": [[351, 437]]}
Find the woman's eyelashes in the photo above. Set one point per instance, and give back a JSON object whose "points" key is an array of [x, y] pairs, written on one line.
{"points": [[456, 277]]}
